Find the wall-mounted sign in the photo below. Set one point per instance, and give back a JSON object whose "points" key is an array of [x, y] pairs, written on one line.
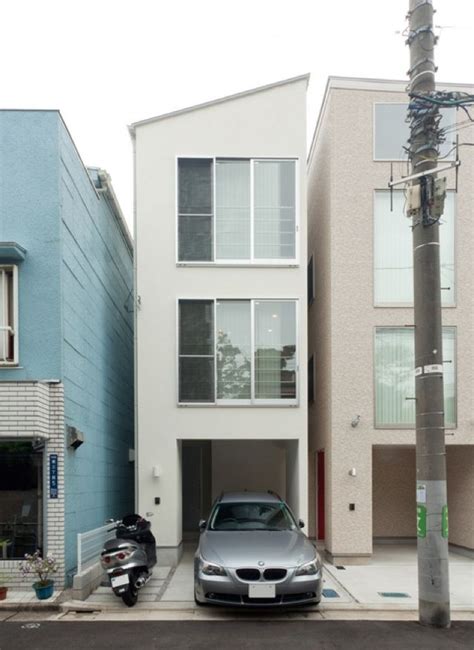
{"points": [[53, 476]]}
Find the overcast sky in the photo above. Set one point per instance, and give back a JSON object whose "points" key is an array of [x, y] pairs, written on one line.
{"points": [[107, 63]]}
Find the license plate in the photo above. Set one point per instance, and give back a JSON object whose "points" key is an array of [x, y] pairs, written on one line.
{"points": [[262, 591], [116, 581]]}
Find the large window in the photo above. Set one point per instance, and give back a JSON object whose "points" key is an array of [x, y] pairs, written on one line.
{"points": [[233, 210], [393, 251], [237, 351], [8, 315], [395, 376], [391, 131], [21, 499]]}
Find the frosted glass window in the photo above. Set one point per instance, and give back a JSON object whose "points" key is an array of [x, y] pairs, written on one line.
{"points": [[393, 256], [391, 131], [275, 350], [395, 378], [195, 208], [233, 349], [274, 209], [233, 209]]}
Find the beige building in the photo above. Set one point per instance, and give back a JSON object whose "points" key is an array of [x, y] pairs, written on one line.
{"points": [[361, 411], [221, 327]]}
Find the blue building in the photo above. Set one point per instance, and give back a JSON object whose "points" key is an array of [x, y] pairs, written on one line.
{"points": [[66, 344]]}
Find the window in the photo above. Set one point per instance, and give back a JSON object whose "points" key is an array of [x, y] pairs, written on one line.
{"points": [[395, 376], [21, 502], [237, 351], [311, 379], [391, 131], [393, 255], [8, 315], [310, 281], [233, 210]]}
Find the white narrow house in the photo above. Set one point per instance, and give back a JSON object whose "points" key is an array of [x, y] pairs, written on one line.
{"points": [[221, 353]]}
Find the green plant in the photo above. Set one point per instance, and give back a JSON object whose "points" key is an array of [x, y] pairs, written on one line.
{"points": [[42, 567]]}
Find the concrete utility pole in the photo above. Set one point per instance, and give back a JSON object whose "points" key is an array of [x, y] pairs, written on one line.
{"points": [[425, 196]]}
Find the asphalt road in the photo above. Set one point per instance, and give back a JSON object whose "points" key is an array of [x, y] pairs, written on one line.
{"points": [[149, 635]]}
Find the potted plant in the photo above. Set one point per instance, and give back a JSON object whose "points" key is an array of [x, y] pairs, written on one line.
{"points": [[43, 568], [3, 586]]}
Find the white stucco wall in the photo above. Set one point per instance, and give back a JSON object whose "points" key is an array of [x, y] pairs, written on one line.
{"points": [[268, 123]]}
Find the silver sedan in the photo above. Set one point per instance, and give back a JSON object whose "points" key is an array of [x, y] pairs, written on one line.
{"points": [[252, 552]]}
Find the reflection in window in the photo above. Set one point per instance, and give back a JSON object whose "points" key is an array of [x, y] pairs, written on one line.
{"points": [[225, 360], [21, 499], [275, 350]]}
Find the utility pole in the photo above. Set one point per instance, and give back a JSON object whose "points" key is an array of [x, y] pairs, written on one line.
{"points": [[425, 195]]}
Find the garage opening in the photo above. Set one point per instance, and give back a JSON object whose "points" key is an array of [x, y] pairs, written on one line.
{"points": [[211, 467], [394, 500]]}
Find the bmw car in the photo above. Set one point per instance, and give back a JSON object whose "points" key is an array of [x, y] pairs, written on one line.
{"points": [[252, 552]]}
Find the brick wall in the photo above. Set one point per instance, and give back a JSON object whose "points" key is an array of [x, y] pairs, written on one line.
{"points": [[34, 409]]}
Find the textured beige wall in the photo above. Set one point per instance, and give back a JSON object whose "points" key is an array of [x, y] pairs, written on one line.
{"points": [[341, 184], [461, 495], [394, 495], [250, 465]]}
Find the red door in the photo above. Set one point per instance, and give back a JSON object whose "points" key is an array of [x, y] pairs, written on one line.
{"points": [[321, 523]]}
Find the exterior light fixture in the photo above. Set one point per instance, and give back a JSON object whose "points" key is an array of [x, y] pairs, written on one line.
{"points": [[355, 421]]}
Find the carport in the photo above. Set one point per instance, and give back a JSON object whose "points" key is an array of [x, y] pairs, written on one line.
{"points": [[210, 467], [394, 501]]}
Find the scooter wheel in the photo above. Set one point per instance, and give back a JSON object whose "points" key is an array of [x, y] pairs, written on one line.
{"points": [[130, 597]]}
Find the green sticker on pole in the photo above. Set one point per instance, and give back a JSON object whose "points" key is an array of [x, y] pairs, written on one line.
{"points": [[444, 522], [421, 521]]}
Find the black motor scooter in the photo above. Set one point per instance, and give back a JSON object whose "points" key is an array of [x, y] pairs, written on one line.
{"points": [[129, 558]]}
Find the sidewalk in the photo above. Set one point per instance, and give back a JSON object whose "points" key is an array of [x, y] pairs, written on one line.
{"points": [[351, 592]]}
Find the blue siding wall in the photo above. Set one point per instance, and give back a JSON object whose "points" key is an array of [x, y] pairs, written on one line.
{"points": [[97, 280], [29, 215]]}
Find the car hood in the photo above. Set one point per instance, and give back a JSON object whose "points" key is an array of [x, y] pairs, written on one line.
{"points": [[247, 548]]}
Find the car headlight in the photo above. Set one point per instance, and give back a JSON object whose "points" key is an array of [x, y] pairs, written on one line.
{"points": [[310, 568], [210, 569]]}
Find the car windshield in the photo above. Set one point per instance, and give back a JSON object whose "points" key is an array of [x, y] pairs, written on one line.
{"points": [[252, 516]]}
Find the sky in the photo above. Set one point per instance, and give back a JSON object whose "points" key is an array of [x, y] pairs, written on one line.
{"points": [[107, 63]]}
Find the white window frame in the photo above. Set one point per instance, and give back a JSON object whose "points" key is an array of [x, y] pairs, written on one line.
{"points": [[374, 134], [252, 261], [404, 305], [14, 269], [411, 427], [253, 401]]}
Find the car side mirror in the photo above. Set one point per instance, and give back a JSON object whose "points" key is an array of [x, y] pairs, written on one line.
{"points": [[202, 524], [300, 523]]}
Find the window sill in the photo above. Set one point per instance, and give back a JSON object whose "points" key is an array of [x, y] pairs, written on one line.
{"points": [[406, 305], [10, 366], [408, 427], [280, 404], [251, 265]]}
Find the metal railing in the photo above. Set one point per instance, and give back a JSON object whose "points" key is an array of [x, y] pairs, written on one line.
{"points": [[90, 544]]}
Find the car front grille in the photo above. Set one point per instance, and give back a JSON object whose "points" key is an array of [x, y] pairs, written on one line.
{"points": [[254, 575], [251, 575], [274, 574]]}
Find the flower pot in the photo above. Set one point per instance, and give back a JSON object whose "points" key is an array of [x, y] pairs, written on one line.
{"points": [[3, 592], [44, 591]]}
